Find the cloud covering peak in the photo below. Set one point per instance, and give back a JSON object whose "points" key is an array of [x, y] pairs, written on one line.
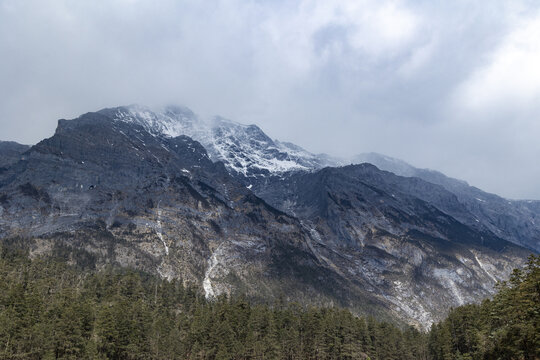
{"points": [[447, 85]]}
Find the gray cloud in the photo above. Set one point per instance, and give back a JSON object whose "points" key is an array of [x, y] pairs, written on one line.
{"points": [[452, 86]]}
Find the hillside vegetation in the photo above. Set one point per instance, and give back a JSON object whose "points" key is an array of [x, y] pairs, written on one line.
{"points": [[505, 327], [51, 310]]}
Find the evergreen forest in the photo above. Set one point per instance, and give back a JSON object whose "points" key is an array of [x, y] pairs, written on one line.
{"points": [[52, 310]]}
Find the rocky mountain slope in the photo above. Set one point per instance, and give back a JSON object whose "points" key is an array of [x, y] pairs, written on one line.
{"points": [[126, 186], [110, 192], [107, 192], [256, 160], [10, 152], [376, 227], [517, 221], [247, 152]]}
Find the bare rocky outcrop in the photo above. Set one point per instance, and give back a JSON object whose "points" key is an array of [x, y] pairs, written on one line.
{"points": [[109, 190]]}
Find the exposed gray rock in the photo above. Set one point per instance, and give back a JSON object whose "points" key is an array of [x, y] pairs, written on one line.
{"points": [[106, 192], [123, 186], [375, 228], [10, 152], [517, 221], [247, 152]]}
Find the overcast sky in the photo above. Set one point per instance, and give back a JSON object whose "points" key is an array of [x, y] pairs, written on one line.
{"points": [[449, 85]]}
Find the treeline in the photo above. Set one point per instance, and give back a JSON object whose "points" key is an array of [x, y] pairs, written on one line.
{"points": [[505, 327], [50, 310]]}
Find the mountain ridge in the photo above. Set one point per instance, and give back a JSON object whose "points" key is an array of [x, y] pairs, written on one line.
{"points": [[109, 191], [245, 149], [514, 220], [255, 160]]}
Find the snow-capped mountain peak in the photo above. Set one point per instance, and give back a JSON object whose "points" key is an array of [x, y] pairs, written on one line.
{"points": [[170, 121], [244, 149]]}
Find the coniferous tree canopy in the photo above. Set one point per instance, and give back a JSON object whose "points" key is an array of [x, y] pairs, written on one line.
{"points": [[505, 327], [50, 310]]}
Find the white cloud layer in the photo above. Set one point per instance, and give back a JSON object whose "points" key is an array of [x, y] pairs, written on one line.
{"points": [[447, 85], [511, 77]]}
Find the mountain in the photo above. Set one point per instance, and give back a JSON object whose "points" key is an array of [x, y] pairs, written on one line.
{"points": [[101, 191], [113, 193], [10, 152], [517, 221], [222, 206], [247, 152], [374, 227]]}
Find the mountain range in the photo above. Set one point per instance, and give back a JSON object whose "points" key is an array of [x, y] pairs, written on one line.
{"points": [[221, 205]]}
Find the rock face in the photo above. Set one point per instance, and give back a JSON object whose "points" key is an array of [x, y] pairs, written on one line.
{"points": [[145, 189], [10, 152], [517, 221], [247, 152], [111, 192], [375, 227]]}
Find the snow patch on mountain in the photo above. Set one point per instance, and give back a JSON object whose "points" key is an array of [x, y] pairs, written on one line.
{"points": [[244, 149]]}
